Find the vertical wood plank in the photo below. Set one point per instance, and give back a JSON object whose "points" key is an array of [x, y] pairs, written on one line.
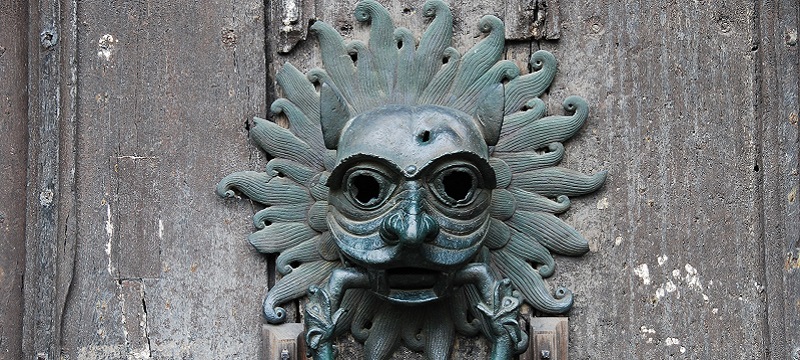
{"points": [[776, 98], [50, 221], [13, 161], [163, 267], [675, 267]]}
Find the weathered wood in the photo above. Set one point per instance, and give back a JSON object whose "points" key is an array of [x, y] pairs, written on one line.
{"points": [[163, 268], [776, 90], [50, 218], [548, 338], [13, 161], [675, 262], [693, 240], [283, 342]]}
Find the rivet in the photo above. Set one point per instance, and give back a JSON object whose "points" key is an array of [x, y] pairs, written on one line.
{"points": [[545, 354], [48, 38]]}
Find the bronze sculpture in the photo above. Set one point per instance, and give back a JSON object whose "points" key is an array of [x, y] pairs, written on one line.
{"points": [[411, 185]]}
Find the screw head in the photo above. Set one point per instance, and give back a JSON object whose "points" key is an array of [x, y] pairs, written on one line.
{"points": [[545, 354]]}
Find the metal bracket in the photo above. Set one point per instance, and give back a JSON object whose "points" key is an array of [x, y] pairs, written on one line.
{"points": [[283, 342], [549, 337]]}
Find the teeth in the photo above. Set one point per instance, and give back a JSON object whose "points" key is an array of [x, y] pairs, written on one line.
{"points": [[380, 284]]}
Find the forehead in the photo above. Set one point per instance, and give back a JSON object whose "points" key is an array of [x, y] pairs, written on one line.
{"points": [[411, 137]]}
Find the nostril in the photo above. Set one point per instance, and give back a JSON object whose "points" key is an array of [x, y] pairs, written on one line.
{"points": [[390, 229], [430, 228]]}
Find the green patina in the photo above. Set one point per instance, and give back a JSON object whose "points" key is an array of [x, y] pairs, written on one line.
{"points": [[413, 197]]}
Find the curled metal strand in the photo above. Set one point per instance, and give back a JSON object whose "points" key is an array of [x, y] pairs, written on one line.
{"points": [[300, 125], [481, 57], [405, 89], [551, 232], [293, 170], [498, 234], [558, 181], [293, 286], [437, 91], [263, 189], [534, 109], [439, 335], [337, 61], [524, 88], [280, 236], [381, 43], [528, 281], [547, 130], [280, 213], [524, 161], [530, 201], [434, 42], [528, 247], [280, 142], [503, 204], [299, 90], [304, 252]]}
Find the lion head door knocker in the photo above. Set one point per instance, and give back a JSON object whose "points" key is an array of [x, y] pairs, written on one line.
{"points": [[413, 196]]}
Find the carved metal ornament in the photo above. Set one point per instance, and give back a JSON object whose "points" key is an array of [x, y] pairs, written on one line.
{"points": [[413, 197]]}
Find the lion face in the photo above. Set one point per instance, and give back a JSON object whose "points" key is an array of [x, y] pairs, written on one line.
{"points": [[410, 198]]}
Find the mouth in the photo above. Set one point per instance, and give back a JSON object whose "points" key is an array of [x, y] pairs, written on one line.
{"points": [[410, 285]]}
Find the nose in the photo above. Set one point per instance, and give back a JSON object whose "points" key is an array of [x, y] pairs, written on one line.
{"points": [[409, 224]]}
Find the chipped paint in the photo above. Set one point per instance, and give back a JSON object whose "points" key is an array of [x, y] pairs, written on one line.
{"points": [[160, 229], [46, 197], [618, 241], [665, 289], [662, 259], [106, 46], [643, 272], [692, 279], [672, 341], [602, 204], [792, 195], [676, 273], [110, 233]]}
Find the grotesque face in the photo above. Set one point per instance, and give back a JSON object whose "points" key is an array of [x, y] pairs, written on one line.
{"points": [[410, 197]]}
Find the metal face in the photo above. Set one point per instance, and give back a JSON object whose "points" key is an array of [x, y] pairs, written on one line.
{"points": [[410, 198], [414, 194]]}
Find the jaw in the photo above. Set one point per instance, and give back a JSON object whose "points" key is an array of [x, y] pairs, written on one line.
{"points": [[410, 285]]}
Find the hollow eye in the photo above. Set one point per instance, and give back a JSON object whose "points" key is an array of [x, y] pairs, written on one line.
{"points": [[456, 186], [367, 188]]}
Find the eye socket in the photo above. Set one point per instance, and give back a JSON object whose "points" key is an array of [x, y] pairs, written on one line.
{"points": [[456, 185], [367, 188]]}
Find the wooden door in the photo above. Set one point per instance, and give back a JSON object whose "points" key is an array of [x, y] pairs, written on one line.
{"points": [[127, 113]]}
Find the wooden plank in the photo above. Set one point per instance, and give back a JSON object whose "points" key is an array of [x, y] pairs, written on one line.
{"points": [[776, 97], [13, 161], [165, 94], [50, 218], [675, 266], [283, 342], [548, 339]]}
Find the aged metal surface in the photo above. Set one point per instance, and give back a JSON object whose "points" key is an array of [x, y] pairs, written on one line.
{"points": [[412, 172], [687, 99], [13, 161]]}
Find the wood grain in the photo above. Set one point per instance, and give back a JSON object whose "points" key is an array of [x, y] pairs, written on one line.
{"points": [[165, 93], [776, 95], [141, 107], [13, 161]]}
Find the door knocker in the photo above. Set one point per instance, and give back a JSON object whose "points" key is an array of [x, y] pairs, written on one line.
{"points": [[413, 194]]}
